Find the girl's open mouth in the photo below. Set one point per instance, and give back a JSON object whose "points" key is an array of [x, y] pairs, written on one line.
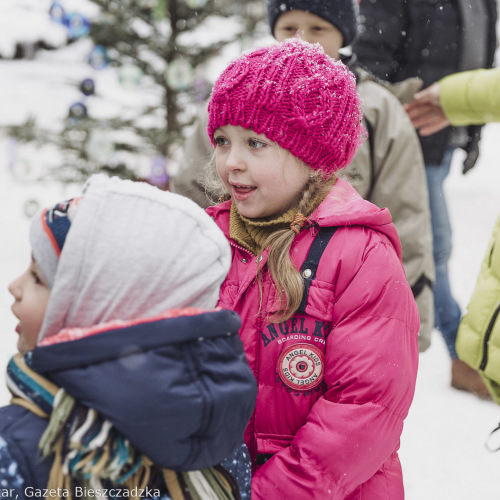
{"points": [[242, 192]]}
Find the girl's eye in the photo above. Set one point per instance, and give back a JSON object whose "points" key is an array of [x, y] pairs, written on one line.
{"points": [[256, 144], [220, 141]]}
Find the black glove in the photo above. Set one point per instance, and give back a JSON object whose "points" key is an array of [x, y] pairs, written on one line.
{"points": [[471, 147]]}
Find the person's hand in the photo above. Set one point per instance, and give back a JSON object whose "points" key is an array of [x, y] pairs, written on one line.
{"points": [[425, 111]]}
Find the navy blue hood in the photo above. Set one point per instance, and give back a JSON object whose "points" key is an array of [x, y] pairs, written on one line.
{"points": [[180, 389]]}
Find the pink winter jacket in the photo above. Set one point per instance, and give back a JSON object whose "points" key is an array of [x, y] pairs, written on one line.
{"points": [[334, 384]]}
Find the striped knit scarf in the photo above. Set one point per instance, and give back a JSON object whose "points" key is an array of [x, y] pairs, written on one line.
{"points": [[88, 453]]}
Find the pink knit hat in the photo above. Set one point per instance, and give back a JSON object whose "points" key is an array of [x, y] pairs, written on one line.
{"points": [[295, 95]]}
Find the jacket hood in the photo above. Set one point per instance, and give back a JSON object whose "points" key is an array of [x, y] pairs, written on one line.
{"points": [[177, 385], [342, 207], [134, 251]]}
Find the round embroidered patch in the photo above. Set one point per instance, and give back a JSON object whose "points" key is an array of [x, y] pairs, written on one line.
{"points": [[301, 366]]}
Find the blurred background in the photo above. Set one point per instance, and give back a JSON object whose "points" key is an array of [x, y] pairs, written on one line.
{"points": [[112, 85]]}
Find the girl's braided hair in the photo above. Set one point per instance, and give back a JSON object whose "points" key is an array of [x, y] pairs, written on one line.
{"points": [[287, 278]]}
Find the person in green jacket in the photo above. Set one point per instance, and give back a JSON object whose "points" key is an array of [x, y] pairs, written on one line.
{"points": [[465, 98], [478, 338], [471, 97]]}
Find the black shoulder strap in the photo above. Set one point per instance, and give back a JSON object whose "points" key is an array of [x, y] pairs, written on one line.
{"points": [[310, 265], [420, 284], [371, 144]]}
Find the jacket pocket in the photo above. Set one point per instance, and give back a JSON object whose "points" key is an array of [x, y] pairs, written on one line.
{"points": [[320, 300]]}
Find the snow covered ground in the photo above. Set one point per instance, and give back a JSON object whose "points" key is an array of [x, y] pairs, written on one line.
{"points": [[442, 448]]}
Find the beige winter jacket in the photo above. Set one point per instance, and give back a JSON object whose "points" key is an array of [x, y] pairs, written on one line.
{"points": [[392, 176]]}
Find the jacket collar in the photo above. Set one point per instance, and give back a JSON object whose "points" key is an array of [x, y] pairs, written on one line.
{"points": [[343, 206]]}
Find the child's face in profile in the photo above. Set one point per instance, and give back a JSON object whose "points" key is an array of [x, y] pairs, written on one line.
{"points": [[31, 295], [311, 28]]}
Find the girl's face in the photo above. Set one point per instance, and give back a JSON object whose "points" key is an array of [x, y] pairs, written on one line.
{"points": [[31, 295], [263, 179]]}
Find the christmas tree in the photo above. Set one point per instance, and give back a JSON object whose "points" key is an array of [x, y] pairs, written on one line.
{"points": [[160, 52]]}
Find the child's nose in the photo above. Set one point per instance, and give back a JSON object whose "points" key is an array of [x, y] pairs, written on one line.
{"points": [[308, 37], [235, 160], [15, 288]]}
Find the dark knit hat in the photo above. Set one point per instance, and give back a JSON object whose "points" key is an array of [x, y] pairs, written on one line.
{"points": [[295, 95], [343, 14], [48, 232]]}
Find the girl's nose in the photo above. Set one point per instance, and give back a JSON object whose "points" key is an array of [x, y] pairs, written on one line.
{"points": [[235, 160]]}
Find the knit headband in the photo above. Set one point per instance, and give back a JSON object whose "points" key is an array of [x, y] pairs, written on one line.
{"points": [[298, 97], [48, 232], [343, 14]]}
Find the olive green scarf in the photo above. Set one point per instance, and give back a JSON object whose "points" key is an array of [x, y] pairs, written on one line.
{"points": [[253, 233]]}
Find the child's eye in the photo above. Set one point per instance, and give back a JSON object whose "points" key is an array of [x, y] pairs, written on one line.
{"points": [[287, 29], [256, 144], [220, 141], [37, 278]]}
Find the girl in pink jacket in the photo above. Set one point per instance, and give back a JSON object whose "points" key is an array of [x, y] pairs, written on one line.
{"points": [[329, 322]]}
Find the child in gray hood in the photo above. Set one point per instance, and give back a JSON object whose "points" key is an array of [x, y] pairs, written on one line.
{"points": [[128, 381]]}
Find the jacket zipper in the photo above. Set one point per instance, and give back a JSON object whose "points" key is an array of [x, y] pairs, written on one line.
{"points": [[235, 245], [254, 416], [486, 338], [251, 422]]}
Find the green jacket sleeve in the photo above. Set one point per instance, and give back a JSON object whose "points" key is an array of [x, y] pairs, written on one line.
{"points": [[471, 97], [478, 337]]}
